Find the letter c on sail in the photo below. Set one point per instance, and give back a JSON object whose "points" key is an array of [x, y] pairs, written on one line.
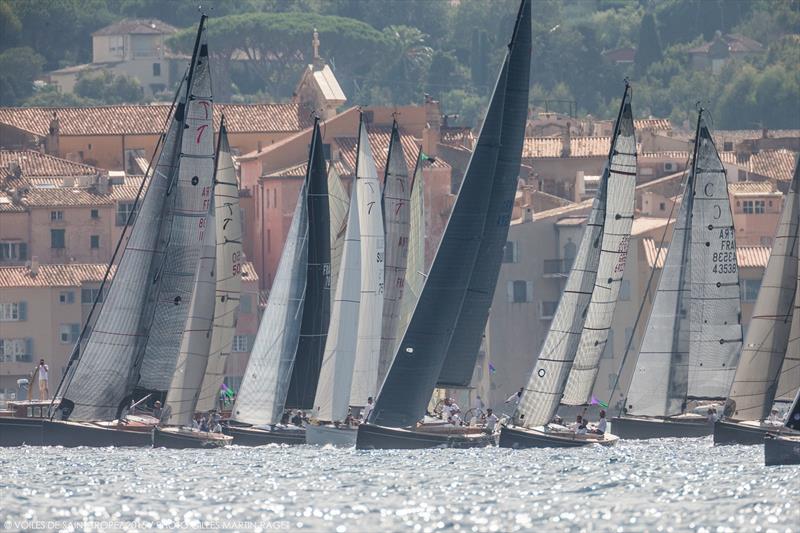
{"points": [[709, 189], [717, 212]]}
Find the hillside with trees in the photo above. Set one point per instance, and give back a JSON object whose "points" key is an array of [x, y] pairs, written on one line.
{"points": [[391, 53]]}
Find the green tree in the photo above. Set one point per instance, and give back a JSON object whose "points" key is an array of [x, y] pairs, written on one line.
{"points": [[18, 68], [50, 96], [649, 47], [109, 88]]}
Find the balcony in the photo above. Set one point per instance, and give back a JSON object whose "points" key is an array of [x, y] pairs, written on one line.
{"points": [[557, 268]]}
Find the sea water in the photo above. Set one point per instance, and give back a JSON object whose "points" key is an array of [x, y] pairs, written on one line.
{"points": [[656, 485]]}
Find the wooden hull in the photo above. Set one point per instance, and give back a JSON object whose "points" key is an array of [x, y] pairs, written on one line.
{"points": [[739, 433], [16, 431], [782, 450], [320, 435], [74, 434], [182, 439], [250, 436], [633, 427], [372, 437], [518, 438]]}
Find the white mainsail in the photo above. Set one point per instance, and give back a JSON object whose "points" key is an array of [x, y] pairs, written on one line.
{"points": [[190, 366], [228, 221], [189, 199], [767, 344], [332, 399], [545, 388], [396, 213], [338, 203], [265, 383], [370, 219], [620, 194]]}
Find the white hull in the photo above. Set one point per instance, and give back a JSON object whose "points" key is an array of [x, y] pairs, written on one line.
{"points": [[341, 437]]}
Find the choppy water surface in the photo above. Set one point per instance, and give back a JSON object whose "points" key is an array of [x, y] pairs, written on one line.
{"points": [[665, 485]]}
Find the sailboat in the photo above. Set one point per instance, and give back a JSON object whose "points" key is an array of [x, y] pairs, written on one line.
{"points": [[771, 338], [579, 331], [782, 448], [298, 302], [484, 202], [215, 300], [350, 364], [693, 337], [141, 322]]}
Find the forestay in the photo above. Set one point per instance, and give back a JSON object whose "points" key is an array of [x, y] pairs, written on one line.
{"points": [[755, 385], [619, 198], [462, 351], [317, 308], [396, 213], [188, 202], [228, 221], [418, 363], [335, 378], [265, 384], [370, 312]]}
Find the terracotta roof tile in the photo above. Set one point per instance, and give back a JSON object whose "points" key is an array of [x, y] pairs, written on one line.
{"points": [[541, 147], [751, 187], [737, 136], [775, 164], [137, 26], [72, 275], [746, 256], [151, 119], [33, 163], [652, 124]]}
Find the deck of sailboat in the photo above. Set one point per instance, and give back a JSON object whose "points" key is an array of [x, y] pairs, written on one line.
{"points": [[519, 437], [643, 427], [782, 449]]}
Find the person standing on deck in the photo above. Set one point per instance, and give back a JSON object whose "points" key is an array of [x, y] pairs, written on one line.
{"points": [[367, 409], [602, 424], [44, 390], [514, 398], [491, 421]]}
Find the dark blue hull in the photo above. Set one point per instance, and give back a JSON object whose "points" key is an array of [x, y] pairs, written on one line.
{"points": [[630, 427], [372, 437], [249, 436], [735, 433], [782, 450], [20, 431]]}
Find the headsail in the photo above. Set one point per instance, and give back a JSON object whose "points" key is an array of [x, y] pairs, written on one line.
{"points": [[421, 353], [317, 308], [188, 200], [265, 384], [228, 221], [335, 378], [396, 213], [370, 312], [755, 385], [339, 204], [617, 226], [465, 342]]}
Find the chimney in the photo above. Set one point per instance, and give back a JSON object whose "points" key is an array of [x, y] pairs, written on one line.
{"points": [[14, 170], [580, 186], [103, 184], [260, 147], [764, 132], [566, 141], [34, 266], [432, 133], [69, 182], [51, 142], [527, 215]]}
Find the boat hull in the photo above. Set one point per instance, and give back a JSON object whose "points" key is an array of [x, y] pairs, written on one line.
{"points": [[250, 436], [74, 434], [183, 439], [631, 427], [737, 433], [17, 431], [782, 450], [341, 437], [372, 437], [519, 438]]}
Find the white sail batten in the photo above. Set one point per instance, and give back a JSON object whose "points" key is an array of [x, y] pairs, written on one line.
{"points": [[370, 313], [192, 361], [396, 213], [715, 338], [338, 203], [191, 196], [768, 338], [104, 373], [542, 394], [666, 338], [228, 222], [620, 194], [332, 399], [265, 383]]}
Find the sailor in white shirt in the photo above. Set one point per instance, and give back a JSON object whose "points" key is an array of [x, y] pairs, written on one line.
{"points": [[602, 425], [367, 410], [514, 398], [491, 421], [44, 390]]}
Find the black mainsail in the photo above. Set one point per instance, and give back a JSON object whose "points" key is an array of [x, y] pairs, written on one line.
{"points": [[317, 307], [421, 355]]}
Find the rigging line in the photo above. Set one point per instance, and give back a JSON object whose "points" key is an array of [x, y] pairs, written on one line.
{"points": [[646, 292], [75, 356]]}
